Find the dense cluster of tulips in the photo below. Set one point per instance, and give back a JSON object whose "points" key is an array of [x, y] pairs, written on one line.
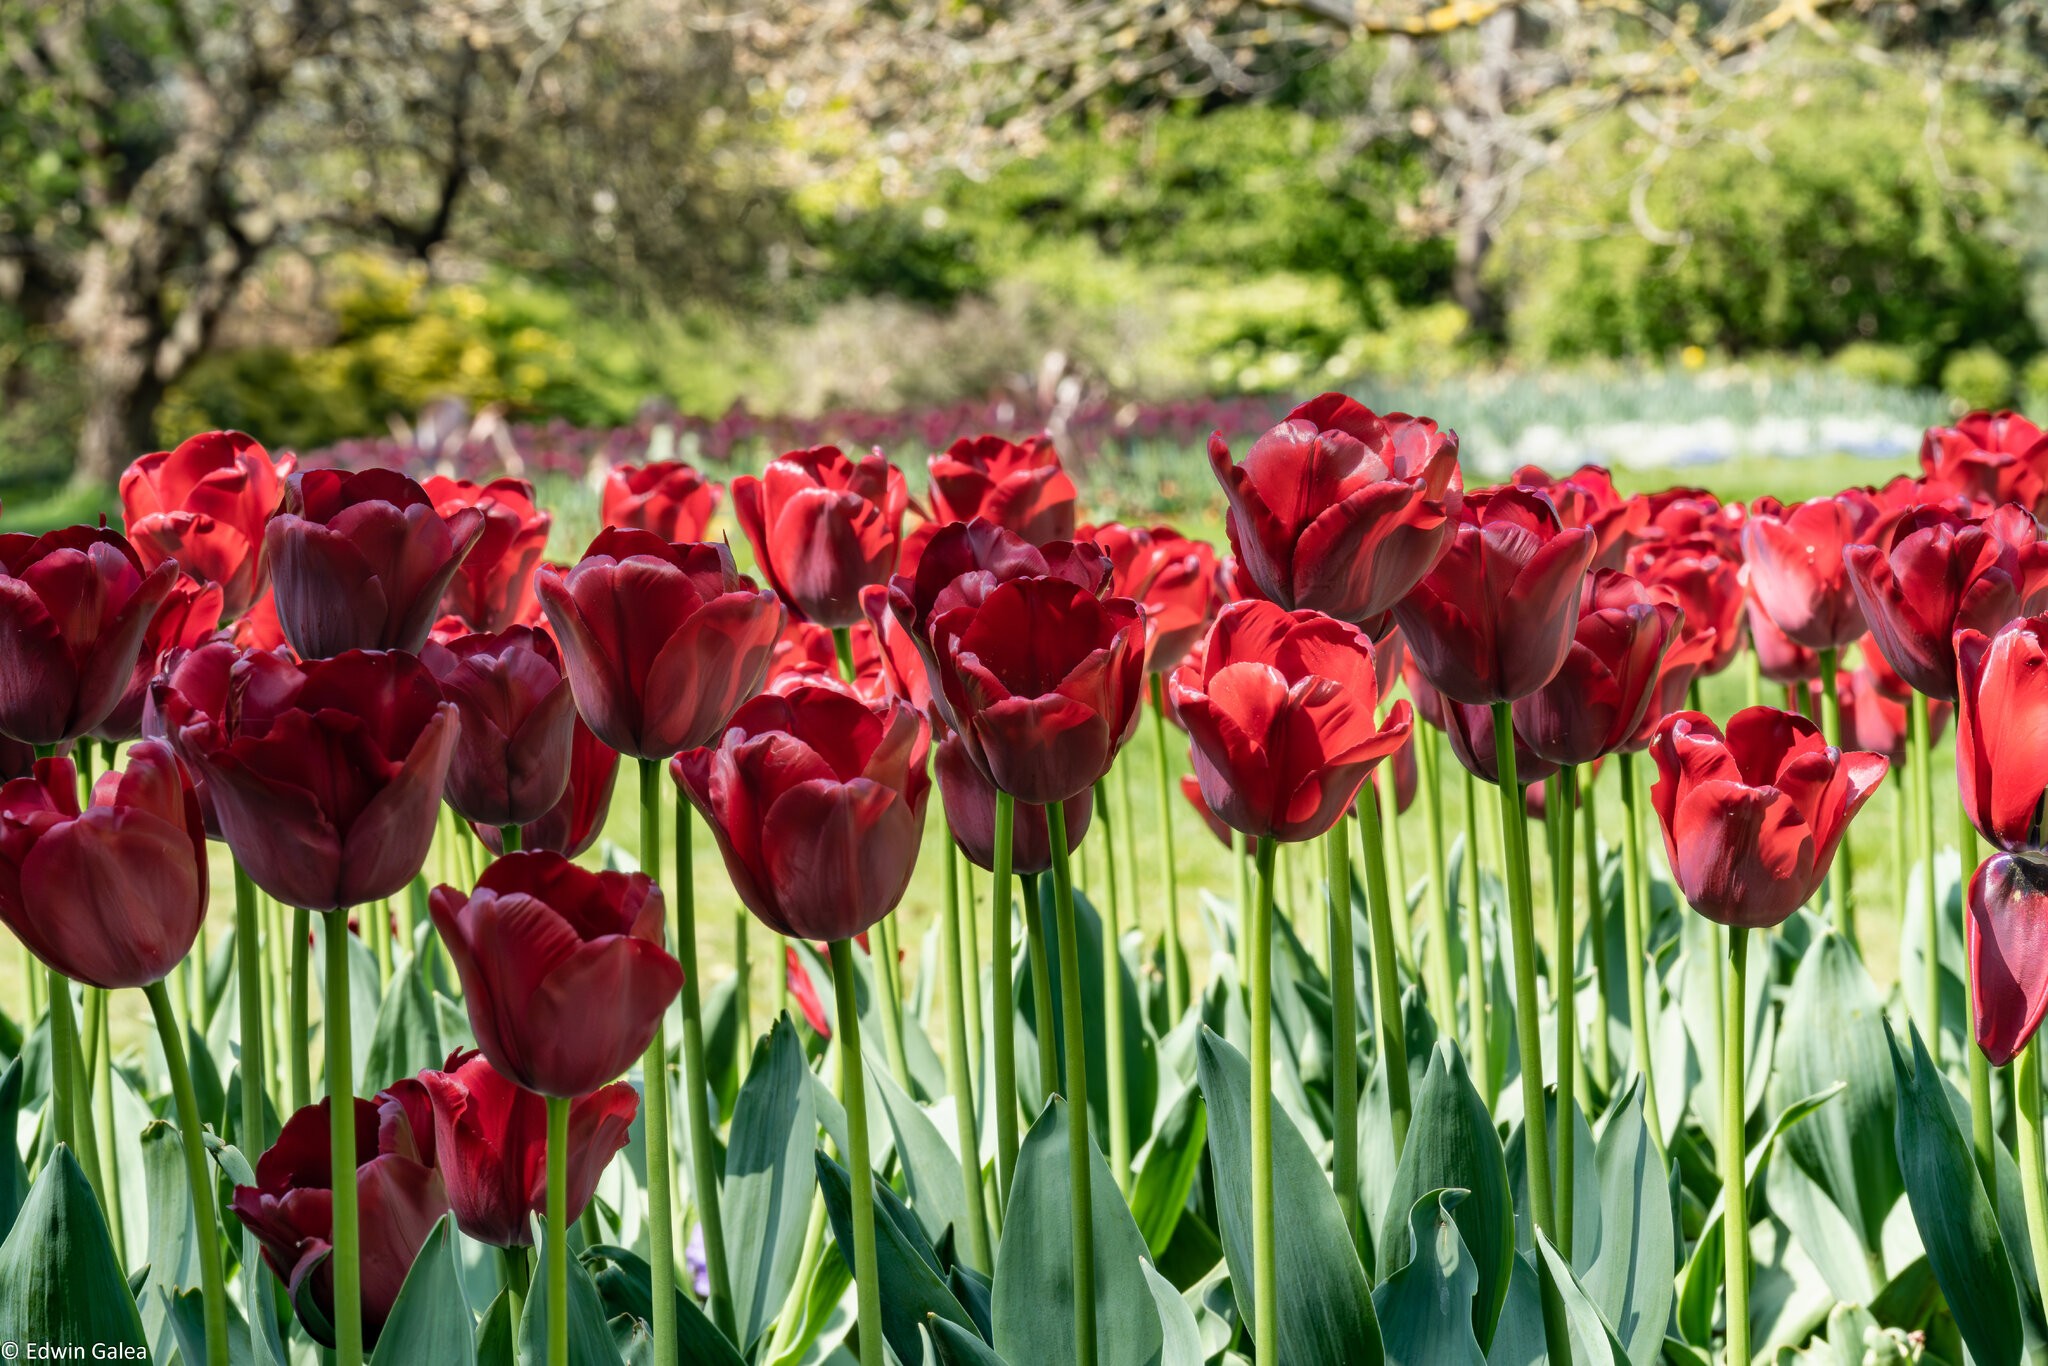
{"points": [[346, 677]]}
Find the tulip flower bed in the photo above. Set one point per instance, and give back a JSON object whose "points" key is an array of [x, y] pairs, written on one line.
{"points": [[1326, 1112]]}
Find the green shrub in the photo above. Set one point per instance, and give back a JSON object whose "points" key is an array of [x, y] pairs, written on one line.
{"points": [[1895, 367], [1978, 378], [2034, 384]]}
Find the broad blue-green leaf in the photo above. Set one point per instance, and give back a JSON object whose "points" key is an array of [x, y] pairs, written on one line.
{"points": [[931, 1169], [1141, 1061], [1585, 1177], [407, 1037], [1572, 1325], [1327, 1312], [956, 1346], [911, 1283], [430, 1319], [1034, 1283], [625, 1287], [1425, 1308], [1180, 1339], [1167, 1169], [13, 1171], [1518, 1337], [497, 1335], [173, 1247], [187, 1314], [59, 1283], [769, 1178], [590, 1340], [1628, 1264]]}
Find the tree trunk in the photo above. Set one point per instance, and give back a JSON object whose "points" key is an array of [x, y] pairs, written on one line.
{"points": [[1482, 188], [122, 397]]}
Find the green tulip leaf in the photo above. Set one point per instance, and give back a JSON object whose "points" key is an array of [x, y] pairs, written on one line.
{"points": [[1628, 1271], [407, 1039], [497, 1335], [59, 1282], [1141, 1056], [1180, 1336], [430, 1320], [912, 1283], [953, 1345], [1572, 1325], [590, 1340], [931, 1169], [186, 1311], [769, 1178], [1426, 1307], [1167, 1168], [625, 1285], [173, 1241], [13, 1171], [1518, 1337]]}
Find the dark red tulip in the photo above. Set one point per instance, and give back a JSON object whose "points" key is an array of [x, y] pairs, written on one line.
{"points": [[1587, 498], [1174, 579], [511, 760], [1930, 573], [806, 654], [75, 608], [1429, 703], [1686, 660], [662, 642], [1340, 510], [823, 527], [1683, 514], [899, 663], [2002, 731], [189, 617], [1595, 703], [491, 1145], [1995, 457], [668, 498], [1794, 559], [970, 805], [399, 1199], [1777, 658], [2003, 933], [572, 824], [203, 505], [1752, 820], [817, 802], [1282, 711], [1041, 681], [362, 561], [1407, 776], [1018, 485], [965, 561], [113, 895], [1493, 620], [562, 969], [325, 777], [1704, 574], [804, 992], [1874, 715], [1191, 788], [258, 628], [1470, 731], [1235, 583], [494, 588]]}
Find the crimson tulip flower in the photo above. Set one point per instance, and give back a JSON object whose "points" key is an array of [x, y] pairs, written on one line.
{"points": [[491, 1145], [804, 992], [823, 527], [970, 804], [75, 608], [572, 824], [1777, 658], [1995, 457], [189, 617], [898, 662], [258, 628], [2008, 905], [1407, 774], [1587, 498], [1752, 818], [1686, 659], [1596, 701], [1282, 711], [493, 589], [1173, 577], [965, 561], [399, 1198], [806, 654], [667, 497], [518, 716], [562, 969], [362, 561], [111, 895], [817, 801], [1930, 572], [1874, 712], [662, 642], [325, 776], [1681, 513], [1470, 731], [1041, 680], [1340, 510], [2002, 731], [1191, 788], [1493, 620], [1704, 574], [1019, 485], [1797, 570], [203, 505]]}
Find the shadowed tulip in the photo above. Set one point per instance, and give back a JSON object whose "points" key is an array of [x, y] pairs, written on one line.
{"points": [[1018, 485], [1172, 577], [823, 527], [189, 617], [494, 588], [1874, 712], [1470, 731], [1995, 457], [806, 654], [1752, 819], [573, 823], [2006, 934], [668, 498], [970, 805], [1685, 660], [1704, 575], [204, 505], [1609, 677], [511, 760], [1191, 788], [1794, 559], [563, 970]]}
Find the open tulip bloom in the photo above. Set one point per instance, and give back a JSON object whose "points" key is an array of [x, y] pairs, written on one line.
{"points": [[669, 498], [203, 506], [823, 527]]}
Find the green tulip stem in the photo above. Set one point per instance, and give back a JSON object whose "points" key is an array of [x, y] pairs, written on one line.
{"points": [[1041, 989], [1443, 988], [743, 982], [102, 1073], [1477, 984], [1344, 1024], [1389, 1033], [1983, 1143], [888, 977], [199, 1176], [853, 1093], [1920, 757], [1735, 1203], [509, 838], [1522, 930], [2033, 1176], [558, 1231], [1003, 1006], [1559, 813], [516, 1277], [1080, 1173], [958, 1079], [341, 1139], [299, 1026], [1112, 998], [697, 1082], [254, 1137], [1240, 855], [65, 1049], [1841, 909], [1596, 931], [1258, 964], [1633, 884], [661, 1151], [1176, 964], [970, 965]]}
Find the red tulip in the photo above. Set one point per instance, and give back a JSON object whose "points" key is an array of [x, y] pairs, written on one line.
{"points": [[258, 628], [325, 777], [511, 760], [203, 505], [668, 498], [1041, 680], [1407, 776], [1996, 457], [965, 561], [817, 802], [1609, 678], [1930, 573], [662, 642], [1684, 514], [1751, 820], [189, 617], [1191, 788], [805, 993], [1282, 713], [1777, 658], [2002, 731], [970, 805], [1874, 714], [1493, 620], [572, 824], [1704, 575], [1172, 576], [1019, 485], [75, 608], [806, 655], [1686, 660], [562, 969], [2008, 910], [1794, 558], [1470, 731], [112, 896], [823, 527], [898, 662], [1587, 498], [491, 1144], [1340, 510], [494, 589], [362, 561], [399, 1199]]}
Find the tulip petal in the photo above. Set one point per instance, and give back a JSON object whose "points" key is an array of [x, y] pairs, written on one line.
{"points": [[2007, 938]]}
